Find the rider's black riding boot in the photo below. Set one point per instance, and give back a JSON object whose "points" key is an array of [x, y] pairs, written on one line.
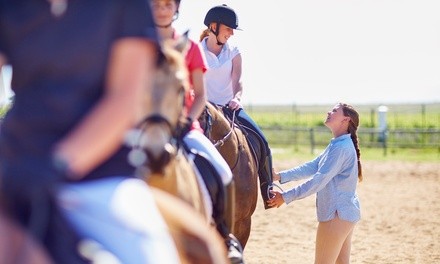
{"points": [[266, 179]]}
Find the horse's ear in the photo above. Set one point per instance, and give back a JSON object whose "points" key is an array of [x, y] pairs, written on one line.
{"points": [[182, 43]]}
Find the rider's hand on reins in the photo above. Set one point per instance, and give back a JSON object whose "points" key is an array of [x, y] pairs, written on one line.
{"points": [[185, 128], [234, 104]]}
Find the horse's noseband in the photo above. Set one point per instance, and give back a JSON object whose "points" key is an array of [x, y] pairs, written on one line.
{"points": [[156, 119], [139, 157]]}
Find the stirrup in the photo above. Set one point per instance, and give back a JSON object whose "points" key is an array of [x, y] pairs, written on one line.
{"points": [[269, 186], [232, 240], [235, 250]]}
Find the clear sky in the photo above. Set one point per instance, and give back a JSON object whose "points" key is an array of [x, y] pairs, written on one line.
{"points": [[325, 51]]}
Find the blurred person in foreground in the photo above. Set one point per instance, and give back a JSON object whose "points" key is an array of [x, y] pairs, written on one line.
{"points": [[80, 71]]}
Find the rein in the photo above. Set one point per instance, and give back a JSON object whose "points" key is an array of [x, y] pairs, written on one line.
{"points": [[221, 142]]}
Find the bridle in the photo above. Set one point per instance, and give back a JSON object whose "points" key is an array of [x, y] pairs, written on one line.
{"points": [[208, 127], [221, 142], [141, 159], [138, 157]]}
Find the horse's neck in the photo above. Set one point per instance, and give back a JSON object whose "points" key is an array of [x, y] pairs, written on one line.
{"points": [[221, 127], [225, 136]]}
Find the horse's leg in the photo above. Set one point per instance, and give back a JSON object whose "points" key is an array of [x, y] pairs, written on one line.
{"points": [[196, 241], [246, 184], [259, 142], [242, 225], [243, 230]]}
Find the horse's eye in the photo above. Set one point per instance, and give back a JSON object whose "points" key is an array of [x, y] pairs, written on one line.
{"points": [[181, 90]]}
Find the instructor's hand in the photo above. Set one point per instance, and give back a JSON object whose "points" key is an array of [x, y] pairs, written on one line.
{"points": [[276, 200]]}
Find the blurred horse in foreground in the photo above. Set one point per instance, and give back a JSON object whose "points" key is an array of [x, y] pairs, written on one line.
{"points": [[160, 157]]}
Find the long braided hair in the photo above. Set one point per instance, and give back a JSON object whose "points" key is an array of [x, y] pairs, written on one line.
{"points": [[349, 111]]}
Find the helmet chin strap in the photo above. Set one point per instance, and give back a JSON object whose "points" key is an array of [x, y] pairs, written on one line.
{"points": [[218, 41], [216, 35]]}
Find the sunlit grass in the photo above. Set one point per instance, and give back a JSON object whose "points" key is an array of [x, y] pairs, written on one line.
{"points": [[304, 153], [398, 116]]}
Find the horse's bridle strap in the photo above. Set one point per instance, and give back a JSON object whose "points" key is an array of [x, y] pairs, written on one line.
{"points": [[156, 119], [220, 142]]}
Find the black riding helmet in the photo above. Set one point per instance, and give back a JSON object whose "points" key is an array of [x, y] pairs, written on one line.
{"points": [[178, 5], [222, 14]]}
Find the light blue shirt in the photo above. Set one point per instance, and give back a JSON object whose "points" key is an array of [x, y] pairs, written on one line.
{"points": [[334, 177]]}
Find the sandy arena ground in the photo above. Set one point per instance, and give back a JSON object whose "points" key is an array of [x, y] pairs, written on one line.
{"points": [[400, 203]]}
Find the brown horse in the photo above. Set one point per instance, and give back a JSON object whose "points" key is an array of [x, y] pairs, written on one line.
{"points": [[233, 146], [161, 160]]}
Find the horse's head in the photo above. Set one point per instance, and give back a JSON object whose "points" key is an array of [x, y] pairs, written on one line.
{"points": [[216, 126], [155, 144]]}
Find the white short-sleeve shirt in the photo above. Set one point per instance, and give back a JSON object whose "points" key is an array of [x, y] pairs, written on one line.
{"points": [[218, 79]]}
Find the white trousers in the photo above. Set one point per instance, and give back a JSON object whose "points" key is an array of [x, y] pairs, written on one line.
{"points": [[119, 214], [195, 139]]}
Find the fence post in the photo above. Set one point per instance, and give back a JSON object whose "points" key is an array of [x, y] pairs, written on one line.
{"points": [[312, 140], [424, 122], [295, 139], [372, 117], [382, 125], [384, 141]]}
